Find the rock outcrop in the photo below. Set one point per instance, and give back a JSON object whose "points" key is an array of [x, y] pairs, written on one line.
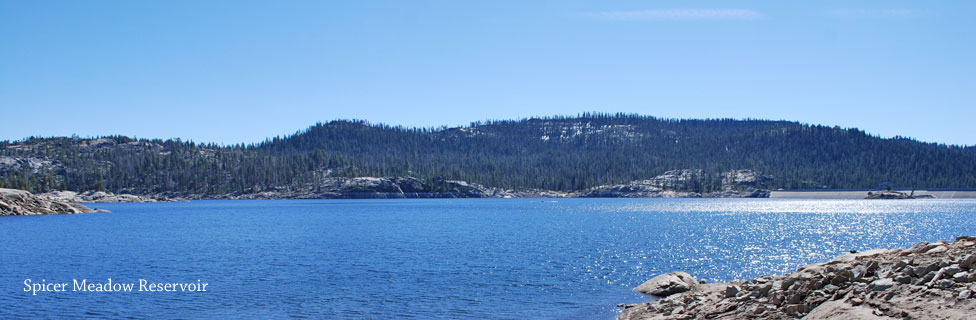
{"points": [[668, 284], [99, 197], [15, 202], [687, 183], [378, 188], [927, 281], [635, 189], [888, 195]]}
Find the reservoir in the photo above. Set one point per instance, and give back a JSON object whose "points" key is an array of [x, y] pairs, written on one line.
{"points": [[431, 258]]}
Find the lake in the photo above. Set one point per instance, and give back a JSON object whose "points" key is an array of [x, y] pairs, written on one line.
{"points": [[433, 258]]}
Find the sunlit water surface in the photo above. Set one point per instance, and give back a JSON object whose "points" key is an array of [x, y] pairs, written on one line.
{"points": [[424, 259]]}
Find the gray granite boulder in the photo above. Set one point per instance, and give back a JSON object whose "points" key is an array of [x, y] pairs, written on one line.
{"points": [[668, 284]]}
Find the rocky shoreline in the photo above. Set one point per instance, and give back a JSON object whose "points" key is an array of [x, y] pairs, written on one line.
{"points": [[15, 202], [103, 197], [671, 184], [926, 281]]}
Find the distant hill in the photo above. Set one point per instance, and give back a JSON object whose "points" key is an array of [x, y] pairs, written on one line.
{"points": [[553, 153]]}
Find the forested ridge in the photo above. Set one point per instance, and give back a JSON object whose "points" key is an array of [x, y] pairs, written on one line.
{"points": [[552, 153]]}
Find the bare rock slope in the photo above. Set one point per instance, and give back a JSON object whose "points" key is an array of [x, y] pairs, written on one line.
{"points": [[927, 281], [100, 196], [15, 202], [686, 183]]}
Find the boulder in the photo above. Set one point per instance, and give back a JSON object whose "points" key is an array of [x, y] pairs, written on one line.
{"points": [[668, 284], [968, 261], [961, 277], [796, 309], [841, 310], [731, 291], [937, 250], [881, 284]]}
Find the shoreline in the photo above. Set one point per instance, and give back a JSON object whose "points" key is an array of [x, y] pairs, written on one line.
{"points": [[75, 202], [168, 197], [14, 202], [928, 280], [921, 193]]}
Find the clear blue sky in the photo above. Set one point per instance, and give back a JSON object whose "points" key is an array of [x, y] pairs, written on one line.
{"points": [[241, 71]]}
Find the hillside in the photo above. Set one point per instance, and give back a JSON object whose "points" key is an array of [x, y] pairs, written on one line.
{"points": [[558, 153]]}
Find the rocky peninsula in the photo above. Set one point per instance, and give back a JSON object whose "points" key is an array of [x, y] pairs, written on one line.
{"points": [[15, 202], [926, 281], [103, 197]]}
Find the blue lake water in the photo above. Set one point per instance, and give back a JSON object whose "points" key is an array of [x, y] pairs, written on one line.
{"points": [[433, 258]]}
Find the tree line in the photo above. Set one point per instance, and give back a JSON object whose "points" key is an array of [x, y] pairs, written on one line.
{"points": [[552, 153]]}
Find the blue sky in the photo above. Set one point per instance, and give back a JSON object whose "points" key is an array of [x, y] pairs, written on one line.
{"points": [[241, 71]]}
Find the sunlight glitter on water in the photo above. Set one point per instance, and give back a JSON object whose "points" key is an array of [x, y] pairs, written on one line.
{"points": [[765, 206]]}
